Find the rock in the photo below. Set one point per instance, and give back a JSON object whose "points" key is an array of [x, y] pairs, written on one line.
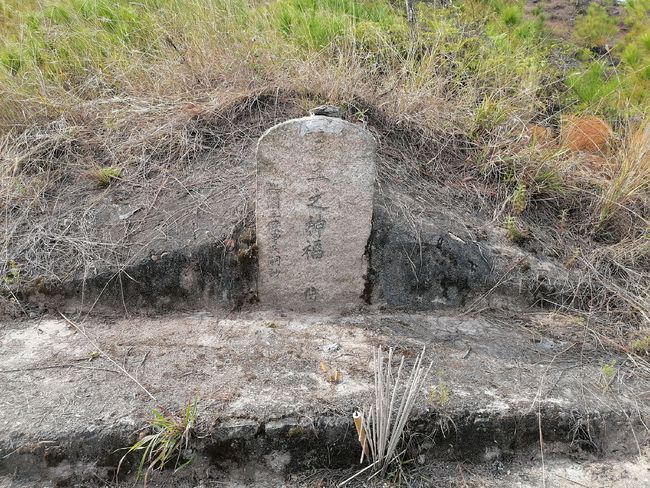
{"points": [[327, 111], [330, 348], [277, 461], [428, 270], [587, 134], [285, 426], [236, 429], [315, 180]]}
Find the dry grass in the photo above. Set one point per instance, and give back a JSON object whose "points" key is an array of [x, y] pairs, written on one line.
{"points": [[632, 181], [380, 426]]}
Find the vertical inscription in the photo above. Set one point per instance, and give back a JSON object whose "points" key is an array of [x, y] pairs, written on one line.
{"points": [[274, 227], [315, 225]]}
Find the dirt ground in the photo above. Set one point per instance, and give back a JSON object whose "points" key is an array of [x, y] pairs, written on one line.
{"points": [[561, 15], [557, 473]]}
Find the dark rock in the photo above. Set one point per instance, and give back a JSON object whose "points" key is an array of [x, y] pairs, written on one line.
{"points": [[327, 111], [425, 271], [240, 429]]}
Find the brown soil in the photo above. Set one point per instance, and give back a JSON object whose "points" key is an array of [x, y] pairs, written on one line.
{"points": [[561, 14]]}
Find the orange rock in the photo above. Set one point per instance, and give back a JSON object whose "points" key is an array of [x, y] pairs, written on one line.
{"points": [[588, 134]]}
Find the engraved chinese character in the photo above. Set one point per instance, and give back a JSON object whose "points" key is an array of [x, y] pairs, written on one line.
{"points": [[274, 229], [274, 198], [313, 250], [314, 226], [274, 264], [311, 294], [314, 202]]}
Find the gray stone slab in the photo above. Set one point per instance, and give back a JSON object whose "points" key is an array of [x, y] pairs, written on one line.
{"points": [[315, 182]]}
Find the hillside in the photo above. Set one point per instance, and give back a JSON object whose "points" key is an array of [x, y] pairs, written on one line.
{"points": [[108, 104], [508, 231]]}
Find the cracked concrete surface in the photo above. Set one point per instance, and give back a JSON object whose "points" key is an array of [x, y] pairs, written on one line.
{"points": [[501, 371]]}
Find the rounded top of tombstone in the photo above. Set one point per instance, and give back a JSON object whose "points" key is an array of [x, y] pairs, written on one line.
{"points": [[291, 133]]}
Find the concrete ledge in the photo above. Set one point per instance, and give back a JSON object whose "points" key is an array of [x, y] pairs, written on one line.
{"points": [[265, 400]]}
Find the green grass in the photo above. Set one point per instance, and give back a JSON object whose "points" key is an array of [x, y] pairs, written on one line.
{"points": [[65, 43], [621, 90], [596, 28], [105, 176], [315, 24], [641, 346], [512, 15], [89, 48], [593, 84], [167, 443]]}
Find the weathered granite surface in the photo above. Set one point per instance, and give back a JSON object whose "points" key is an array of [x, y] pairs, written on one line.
{"points": [[315, 181]]}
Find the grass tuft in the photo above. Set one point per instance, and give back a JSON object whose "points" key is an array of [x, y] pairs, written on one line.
{"points": [[167, 443], [641, 346], [596, 28], [632, 180], [105, 176], [512, 15]]}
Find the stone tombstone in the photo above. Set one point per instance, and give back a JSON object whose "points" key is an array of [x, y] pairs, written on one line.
{"points": [[315, 183]]}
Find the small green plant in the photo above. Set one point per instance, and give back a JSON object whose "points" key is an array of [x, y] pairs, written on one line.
{"points": [[608, 372], [167, 443], [592, 84], [511, 15], [489, 114], [361, 116], [105, 176], [631, 55], [93, 355], [641, 346], [12, 273], [596, 28], [644, 39], [513, 231], [519, 199], [439, 394]]}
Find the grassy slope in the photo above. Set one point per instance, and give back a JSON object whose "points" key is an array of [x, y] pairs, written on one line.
{"points": [[74, 69]]}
